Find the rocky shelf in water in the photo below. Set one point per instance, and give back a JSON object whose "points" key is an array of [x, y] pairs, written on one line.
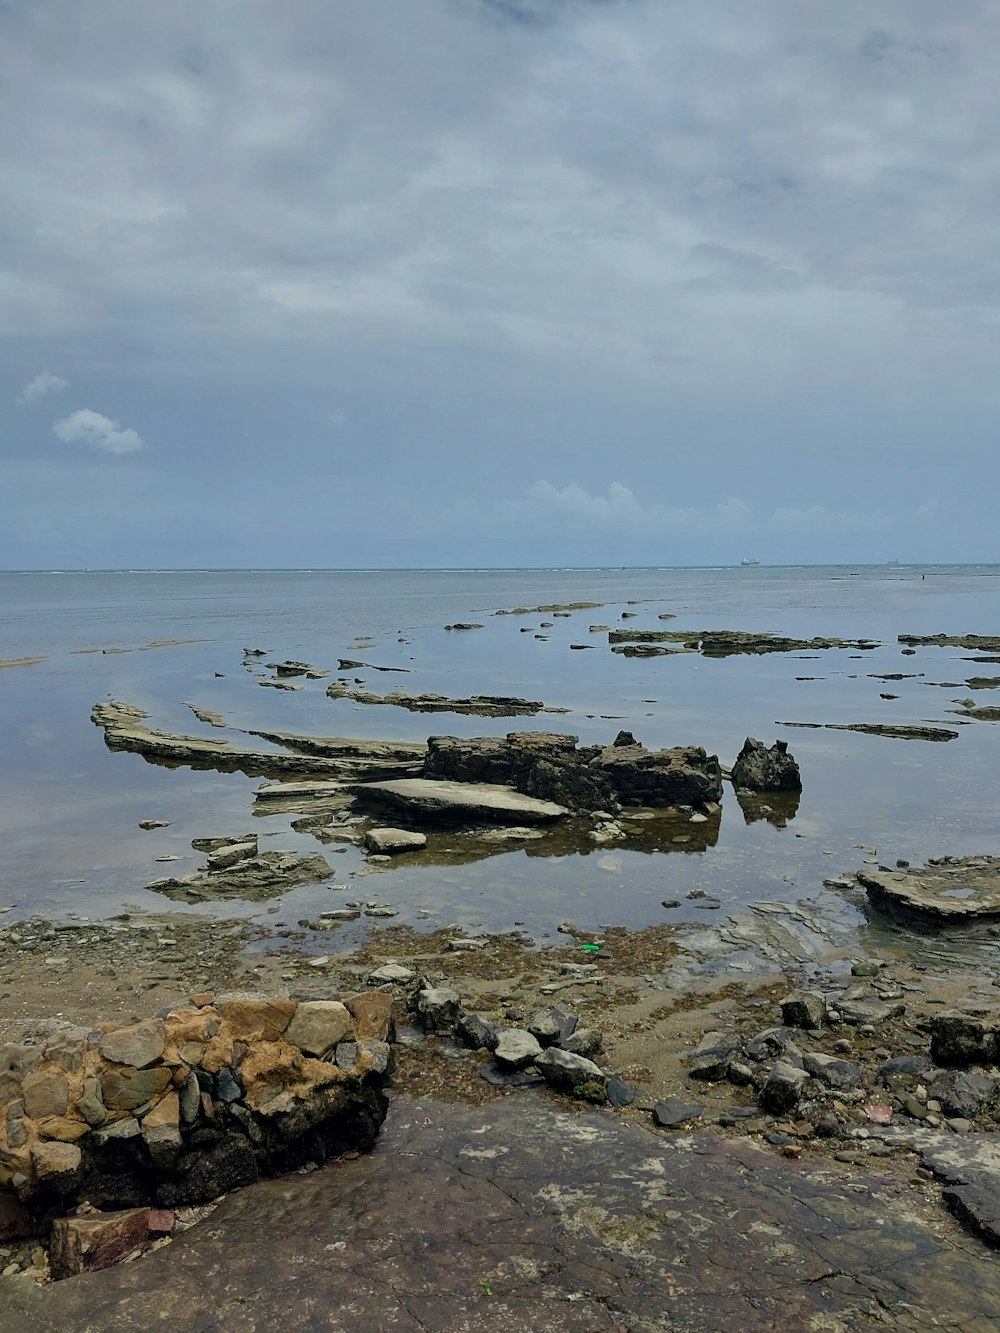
{"points": [[477, 705], [947, 889], [987, 643], [900, 731], [726, 642]]}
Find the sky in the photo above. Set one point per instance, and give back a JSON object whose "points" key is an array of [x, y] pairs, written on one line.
{"points": [[498, 282]]}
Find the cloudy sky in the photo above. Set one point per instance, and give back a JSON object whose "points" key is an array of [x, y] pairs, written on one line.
{"points": [[498, 282]]}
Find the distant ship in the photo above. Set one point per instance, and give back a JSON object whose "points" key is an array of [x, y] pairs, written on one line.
{"points": [[749, 560]]}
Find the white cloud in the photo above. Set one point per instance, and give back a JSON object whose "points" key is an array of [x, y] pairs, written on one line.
{"points": [[98, 431], [43, 384]]}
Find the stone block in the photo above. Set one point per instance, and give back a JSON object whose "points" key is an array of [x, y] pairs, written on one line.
{"points": [[318, 1026], [139, 1045]]}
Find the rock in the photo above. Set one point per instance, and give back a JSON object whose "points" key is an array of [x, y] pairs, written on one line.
{"points": [[56, 1164], [161, 1131], [504, 1077], [126, 1089], [552, 1027], [391, 974], [674, 1111], [569, 1073], [949, 889], [965, 1095], [262, 876], [139, 1045], [371, 1012], [783, 1088], [437, 801], [189, 1100], [516, 1048], [619, 1093], [710, 1059], [477, 1031], [838, 1074], [86, 1244], [393, 841], [45, 1093], [858, 1013], [318, 1026], [437, 1008], [587, 1042], [256, 1020], [959, 1040], [761, 769], [803, 1009]]}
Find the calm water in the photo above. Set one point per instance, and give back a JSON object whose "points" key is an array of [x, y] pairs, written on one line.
{"points": [[69, 808]]}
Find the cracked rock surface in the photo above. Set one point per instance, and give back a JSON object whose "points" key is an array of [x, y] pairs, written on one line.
{"points": [[518, 1215]]}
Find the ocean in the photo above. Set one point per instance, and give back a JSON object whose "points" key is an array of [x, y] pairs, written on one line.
{"points": [[70, 808]]}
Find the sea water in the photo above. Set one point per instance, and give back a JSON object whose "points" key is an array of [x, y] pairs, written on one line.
{"points": [[70, 808]]}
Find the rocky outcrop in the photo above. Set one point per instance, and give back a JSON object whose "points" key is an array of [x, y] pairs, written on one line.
{"points": [[552, 766], [987, 643], [477, 705], [899, 731], [726, 642], [947, 889], [331, 757], [424, 800], [761, 769], [236, 869], [180, 1109]]}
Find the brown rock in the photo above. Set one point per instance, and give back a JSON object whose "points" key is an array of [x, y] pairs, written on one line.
{"points": [[372, 1014], [218, 1052], [56, 1164], [45, 1093], [318, 1026], [257, 1020], [161, 1128], [138, 1045], [61, 1128], [203, 1000], [123, 1089], [84, 1244]]}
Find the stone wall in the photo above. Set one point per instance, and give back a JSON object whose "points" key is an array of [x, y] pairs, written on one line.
{"points": [[181, 1108]]}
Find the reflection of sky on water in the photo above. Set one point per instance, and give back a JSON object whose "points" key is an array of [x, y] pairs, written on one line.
{"points": [[69, 808]]}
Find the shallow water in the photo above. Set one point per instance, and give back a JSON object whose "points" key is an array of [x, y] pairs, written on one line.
{"points": [[69, 808]]}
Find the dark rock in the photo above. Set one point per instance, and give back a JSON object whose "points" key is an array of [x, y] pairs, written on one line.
{"points": [[804, 1009], [619, 1093], [839, 1074], [761, 769], [674, 1111], [959, 1040], [783, 1088], [477, 1031], [569, 1073], [506, 1077], [552, 1026], [587, 1042]]}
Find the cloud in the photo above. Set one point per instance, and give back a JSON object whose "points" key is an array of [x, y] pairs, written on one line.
{"points": [[44, 383], [98, 431]]}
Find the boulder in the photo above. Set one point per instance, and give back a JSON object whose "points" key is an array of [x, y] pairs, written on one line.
{"points": [[761, 769], [803, 1009], [86, 1244], [437, 1008], [959, 1040], [783, 1088], [138, 1045], [516, 1048], [477, 1031], [569, 1073]]}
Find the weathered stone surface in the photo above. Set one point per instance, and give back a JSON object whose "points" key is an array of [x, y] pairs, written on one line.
{"points": [[438, 801], [587, 1042], [139, 1045], [465, 1197], [947, 889], [478, 705], [125, 1089], [803, 1009], [371, 1012], [959, 1040], [761, 769], [437, 1008], [552, 1026], [783, 1088], [567, 1072], [318, 1026], [393, 841], [674, 1111], [477, 1031], [44, 1092], [516, 1048], [391, 974], [830, 1070], [86, 1244], [264, 875], [56, 1164], [256, 1020]]}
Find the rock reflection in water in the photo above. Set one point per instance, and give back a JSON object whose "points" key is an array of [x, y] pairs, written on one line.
{"points": [[778, 808]]}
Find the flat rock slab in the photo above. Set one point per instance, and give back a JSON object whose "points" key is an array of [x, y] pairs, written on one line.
{"points": [[438, 800], [951, 889], [517, 1216]]}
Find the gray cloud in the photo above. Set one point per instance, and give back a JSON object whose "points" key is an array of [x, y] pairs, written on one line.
{"points": [[40, 386], [97, 431]]}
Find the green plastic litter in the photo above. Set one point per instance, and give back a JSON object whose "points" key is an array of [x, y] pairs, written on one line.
{"points": [[591, 948]]}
